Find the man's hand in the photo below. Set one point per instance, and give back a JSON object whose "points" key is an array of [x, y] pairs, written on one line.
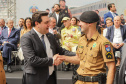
{"points": [[68, 45], [114, 45], [54, 31], [120, 45], [4, 42], [56, 59]]}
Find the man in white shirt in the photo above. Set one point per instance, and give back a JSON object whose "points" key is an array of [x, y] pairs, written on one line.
{"points": [[116, 34], [40, 52]]}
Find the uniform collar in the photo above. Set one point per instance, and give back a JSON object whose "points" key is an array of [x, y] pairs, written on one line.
{"points": [[94, 37]]}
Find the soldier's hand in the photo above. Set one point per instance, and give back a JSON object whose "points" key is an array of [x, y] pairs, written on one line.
{"points": [[67, 44]]}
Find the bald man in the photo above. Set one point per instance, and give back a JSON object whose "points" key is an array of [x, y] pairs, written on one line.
{"points": [[116, 34]]}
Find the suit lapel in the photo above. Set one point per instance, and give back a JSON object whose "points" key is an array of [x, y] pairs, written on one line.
{"points": [[39, 42], [112, 31], [110, 15], [121, 28], [5, 34]]}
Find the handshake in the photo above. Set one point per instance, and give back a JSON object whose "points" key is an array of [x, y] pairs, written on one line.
{"points": [[58, 59]]}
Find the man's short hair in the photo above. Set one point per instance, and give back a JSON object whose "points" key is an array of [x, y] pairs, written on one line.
{"points": [[9, 19], [109, 18], [57, 4], [121, 14], [110, 5], [62, 0], [47, 9], [36, 17], [97, 10]]}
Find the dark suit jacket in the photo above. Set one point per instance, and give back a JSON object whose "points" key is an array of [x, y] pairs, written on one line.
{"points": [[61, 15], [13, 38], [122, 69], [108, 14], [36, 61], [110, 33]]}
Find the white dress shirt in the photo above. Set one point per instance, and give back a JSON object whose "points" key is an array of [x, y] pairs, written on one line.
{"points": [[117, 36], [48, 49], [105, 32], [113, 14], [9, 30], [57, 17], [51, 30]]}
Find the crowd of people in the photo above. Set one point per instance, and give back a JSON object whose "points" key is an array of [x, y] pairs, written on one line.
{"points": [[40, 41]]}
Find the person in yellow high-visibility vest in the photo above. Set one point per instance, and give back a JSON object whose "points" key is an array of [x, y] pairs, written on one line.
{"points": [[69, 37]]}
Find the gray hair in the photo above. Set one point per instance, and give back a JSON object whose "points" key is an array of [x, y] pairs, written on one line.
{"points": [[51, 18], [9, 19]]}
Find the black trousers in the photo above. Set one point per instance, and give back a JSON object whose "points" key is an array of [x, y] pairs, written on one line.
{"points": [[52, 78], [27, 79]]}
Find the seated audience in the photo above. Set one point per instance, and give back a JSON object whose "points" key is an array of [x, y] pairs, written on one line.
{"points": [[9, 39], [116, 34], [108, 24], [69, 38], [27, 27], [2, 25]]}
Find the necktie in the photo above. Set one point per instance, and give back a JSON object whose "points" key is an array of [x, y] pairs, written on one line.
{"points": [[43, 42], [9, 32]]}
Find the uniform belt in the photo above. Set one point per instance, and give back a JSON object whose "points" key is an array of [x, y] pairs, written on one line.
{"points": [[88, 78]]}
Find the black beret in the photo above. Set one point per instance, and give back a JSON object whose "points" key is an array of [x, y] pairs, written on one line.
{"points": [[61, 0], [89, 17]]}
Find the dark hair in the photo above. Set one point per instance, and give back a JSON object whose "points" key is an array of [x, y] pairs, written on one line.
{"points": [[36, 17], [97, 10], [121, 14], [25, 27], [62, 0], [57, 4], [76, 19], [110, 5], [47, 9]]}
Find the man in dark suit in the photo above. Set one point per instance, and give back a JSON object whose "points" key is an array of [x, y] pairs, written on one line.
{"points": [[57, 15], [116, 34], [9, 39], [2, 25], [111, 13], [40, 52]]}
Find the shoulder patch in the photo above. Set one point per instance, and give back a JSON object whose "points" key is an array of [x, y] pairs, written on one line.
{"points": [[107, 43], [109, 55], [107, 47]]}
